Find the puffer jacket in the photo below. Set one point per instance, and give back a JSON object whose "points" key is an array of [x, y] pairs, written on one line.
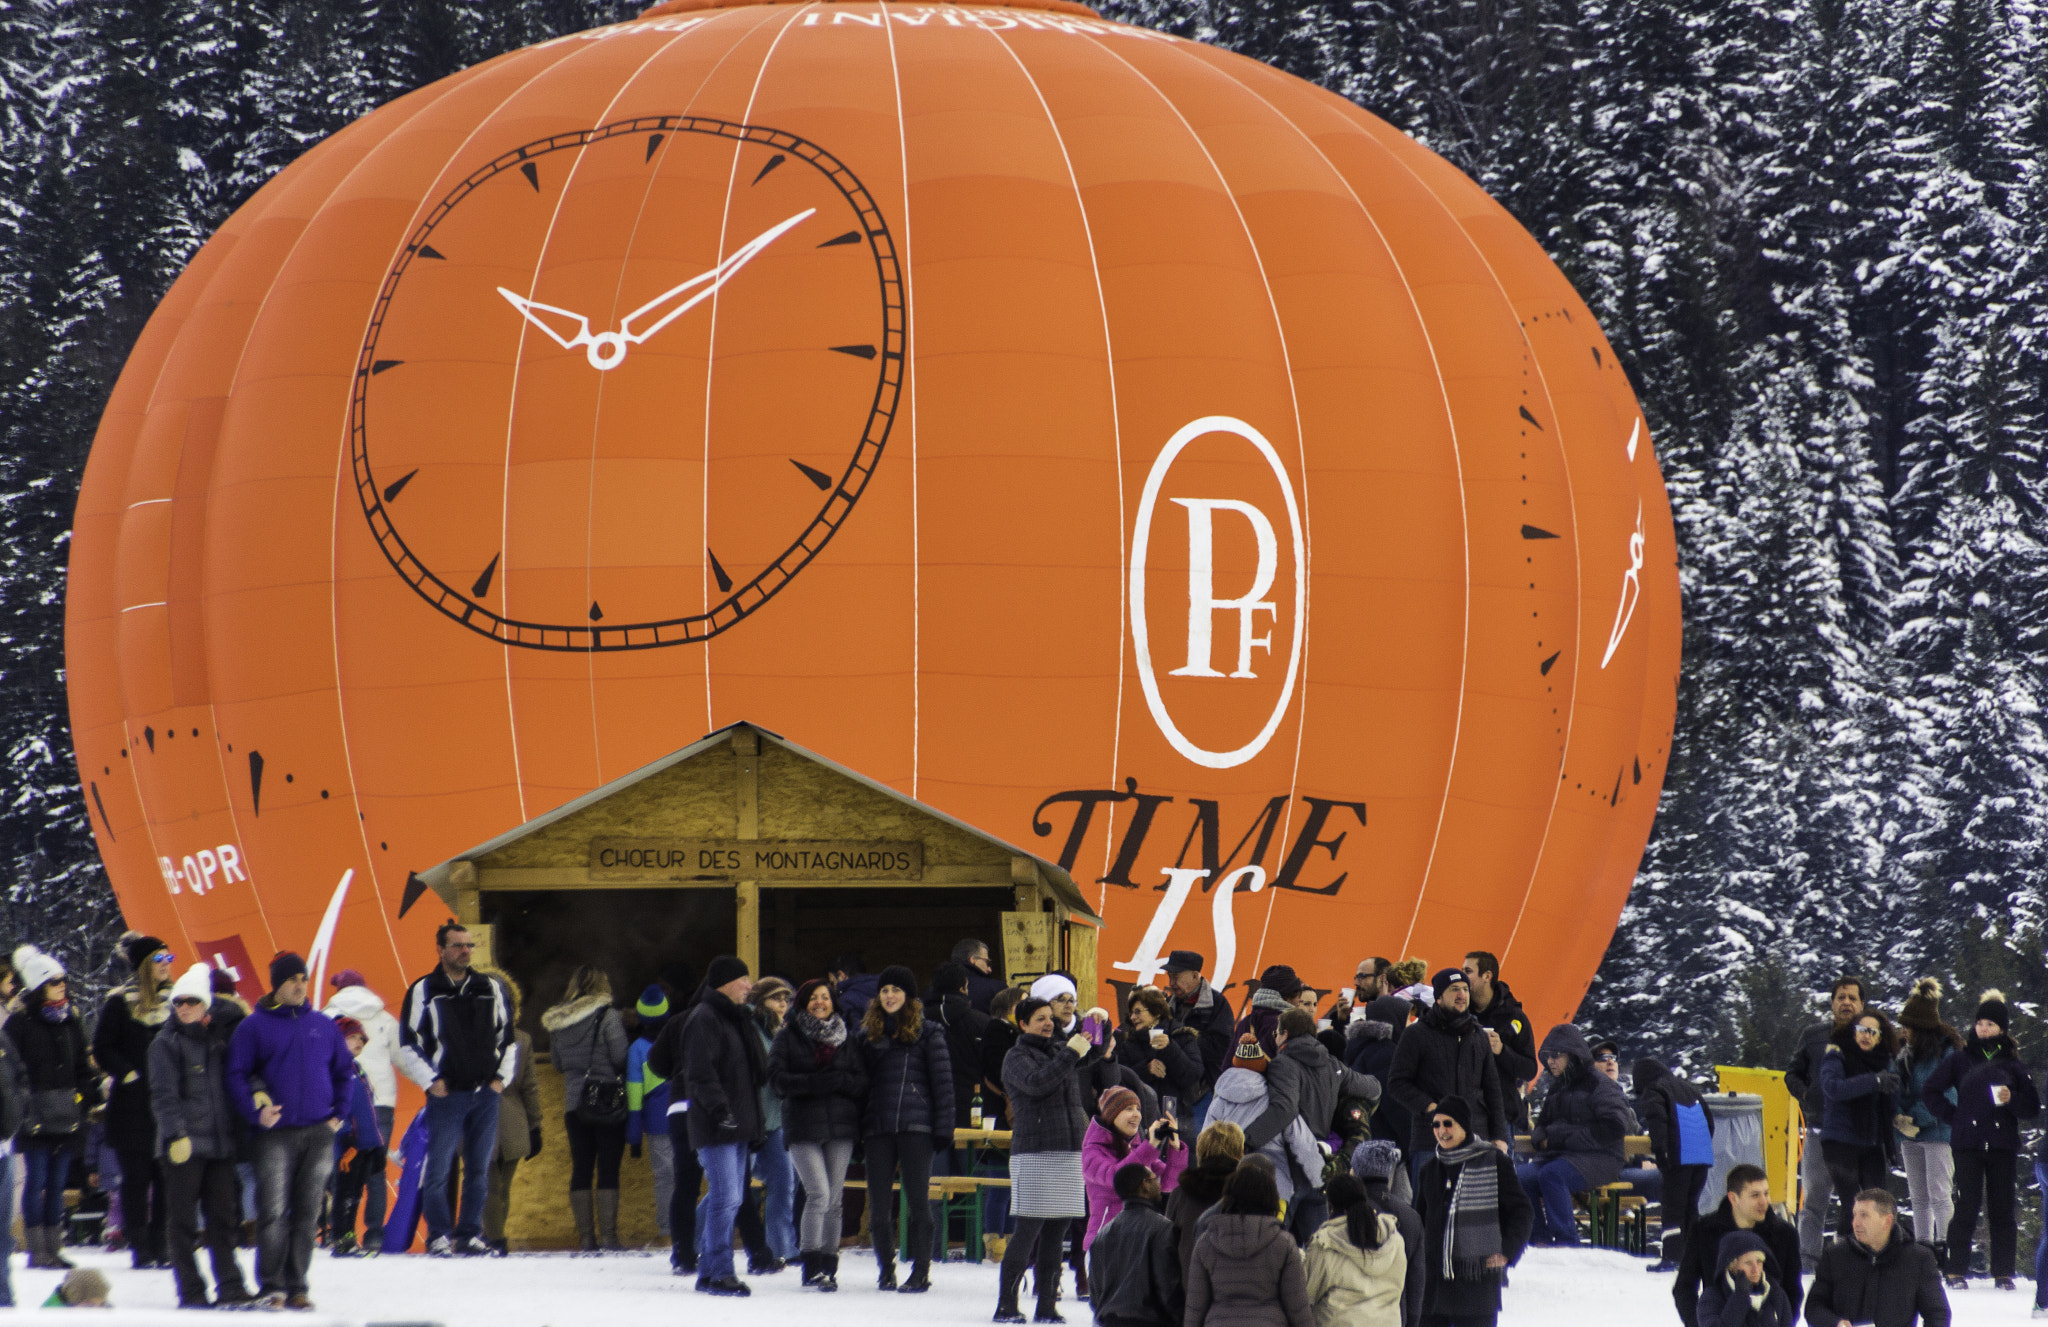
{"points": [[120, 1045], [188, 1090], [1040, 1076], [910, 1083], [1584, 1118], [1974, 1120], [1854, 1108], [587, 1040], [1200, 1187], [1913, 1072], [1101, 1159], [823, 1088], [1242, 1096], [380, 1028], [1247, 1273], [1353, 1287], [1445, 1054]]}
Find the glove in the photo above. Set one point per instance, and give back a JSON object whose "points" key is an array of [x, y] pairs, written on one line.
{"points": [[533, 1142], [1904, 1124], [1887, 1081], [262, 1100], [1080, 1045], [132, 1076], [1323, 1149], [636, 1151], [180, 1151]]}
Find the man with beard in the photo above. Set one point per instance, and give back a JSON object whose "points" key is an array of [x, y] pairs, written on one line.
{"points": [[1802, 1080], [1507, 1029], [1443, 1054], [1196, 1005]]}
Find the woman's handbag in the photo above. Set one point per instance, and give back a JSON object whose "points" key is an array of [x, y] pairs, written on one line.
{"points": [[604, 1099]]}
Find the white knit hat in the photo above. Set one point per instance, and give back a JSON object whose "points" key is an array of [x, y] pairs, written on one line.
{"points": [[196, 984], [1053, 984], [35, 968]]}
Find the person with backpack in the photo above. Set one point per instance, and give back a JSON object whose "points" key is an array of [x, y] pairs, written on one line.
{"points": [[1994, 1093], [588, 1046], [130, 1019], [63, 1086], [1681, 1133], [1923, 1138], [1357, 1264], [1307, 1083], [1243, 1097]]}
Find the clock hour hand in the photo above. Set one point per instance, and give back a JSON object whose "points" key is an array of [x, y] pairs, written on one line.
{"points": [[539, 315], [670, 304]]}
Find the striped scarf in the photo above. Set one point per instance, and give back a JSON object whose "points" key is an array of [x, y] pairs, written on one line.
{"points": [[1472, 1232]]}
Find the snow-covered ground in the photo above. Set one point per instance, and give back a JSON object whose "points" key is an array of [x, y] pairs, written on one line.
{"points": [[1552, 1288]]}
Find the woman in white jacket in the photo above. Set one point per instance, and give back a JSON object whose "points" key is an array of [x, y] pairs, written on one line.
{"points": [[1356, 1262], [353, 999]]}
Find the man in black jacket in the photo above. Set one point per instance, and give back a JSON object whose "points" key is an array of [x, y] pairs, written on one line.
{"points": [[1445, 1053], [1747, 1207], [1881, 1277], [722, 1069], [1134, 1266], [1508, 1033], [1802, 1080], [1196, 1005], [455, 1040], [1304, 1082]]}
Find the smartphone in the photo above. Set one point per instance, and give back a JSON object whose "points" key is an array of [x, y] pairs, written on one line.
{"points": [[1094, 1029]]}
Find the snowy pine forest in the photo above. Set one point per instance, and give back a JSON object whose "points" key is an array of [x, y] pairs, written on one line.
{"points": [[1816, 230]]}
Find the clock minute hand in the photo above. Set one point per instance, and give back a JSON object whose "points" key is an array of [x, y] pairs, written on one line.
{"points": [[710, 281], [531, 311]]}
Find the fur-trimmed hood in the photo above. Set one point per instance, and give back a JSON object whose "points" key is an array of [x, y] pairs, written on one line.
{"points": [[573, 1011]]}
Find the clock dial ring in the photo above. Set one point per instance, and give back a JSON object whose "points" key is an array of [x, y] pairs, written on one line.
{"points": [[742, 597]]}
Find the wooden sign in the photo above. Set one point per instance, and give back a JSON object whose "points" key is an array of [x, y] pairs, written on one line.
{"points": [[754, 859], [1027, 944]]}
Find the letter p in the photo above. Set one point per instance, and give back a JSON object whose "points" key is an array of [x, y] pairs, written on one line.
{"points": [[1202, 601]]}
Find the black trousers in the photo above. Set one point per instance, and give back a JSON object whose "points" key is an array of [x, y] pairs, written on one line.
{"points": [[909, 1154], [1851, 1170], [142, 1204], [215, 1187], [1682, 1186], [1984, 1182], [682, 1203], [1039, 1238], [596, 1148], [350, 1183]]}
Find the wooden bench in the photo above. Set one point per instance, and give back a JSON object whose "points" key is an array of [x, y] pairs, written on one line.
{"points": [[958, 1195]]}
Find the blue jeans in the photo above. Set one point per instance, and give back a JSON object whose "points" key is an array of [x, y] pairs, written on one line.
{"points": [[42, 1200], [2041, 1250], [6, 1228], [778, 1188], [464, 1123], [725, 1179], [1550, 1186]]}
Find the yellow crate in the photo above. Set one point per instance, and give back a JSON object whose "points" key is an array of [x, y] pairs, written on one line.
{"points": [[1784, 1128]]}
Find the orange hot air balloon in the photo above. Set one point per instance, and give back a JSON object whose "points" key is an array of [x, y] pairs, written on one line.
{"points": [[1126, 448]]}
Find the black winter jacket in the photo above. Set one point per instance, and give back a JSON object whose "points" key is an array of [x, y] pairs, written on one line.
{"points": [[1802, 1076], [461, 1035], [54, 1059], [1584, 1118], [963, 1027], [1210, 1018], [1201, 1185], [1181, 1057], [716, 1054], [1467, 1299], [1973, 1119], [188, 1090], [1703, 1246], [1728, 1304], [13, 1088], [1306, 1081], [1893, 1287], [1440, 1055], [1369, 1049], [1134, 1279], [1042, 1079], [995, 1048], [821, 1102], [910, 1084], [120, 1045], [1516, 1064], [1659, 1094]]}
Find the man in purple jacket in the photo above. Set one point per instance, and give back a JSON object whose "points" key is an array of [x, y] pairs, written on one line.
{"points": [[290, 1074]]}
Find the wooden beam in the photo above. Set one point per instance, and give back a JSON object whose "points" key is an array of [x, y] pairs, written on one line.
{"points": [[462, 879], [748, 913]]}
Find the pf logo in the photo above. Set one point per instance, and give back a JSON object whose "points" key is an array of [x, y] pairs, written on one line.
{"points": [[1227, 684]]}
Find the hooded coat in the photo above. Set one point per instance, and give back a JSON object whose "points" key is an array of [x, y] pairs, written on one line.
{"points": [[1974, 1120], [587, 1039], [380, 1050], [1353, 1287], [1305, 1082], [1584, 1117], [910, 1083], [1242, 1096], [1101, 1159], [1855, 1109], [188, 1090], [1730, 1301], [1887, 1287], [1246, 1272], [1703, 1243], [1516, 1064], [1409, 1222], [1446, 1054], [823, 1088]]}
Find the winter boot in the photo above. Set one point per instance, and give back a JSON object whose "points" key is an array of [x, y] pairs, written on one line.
{"points": [[1006, 1305], [608, 1221], [887, 1279], [586, 1233], [53, 1249], [682, 1258], [920, 1277], [828, 1272], [810, 1267], [32, 1240]]}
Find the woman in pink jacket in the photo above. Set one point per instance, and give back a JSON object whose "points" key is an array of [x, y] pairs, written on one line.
{"points": [[1112, 1142]]}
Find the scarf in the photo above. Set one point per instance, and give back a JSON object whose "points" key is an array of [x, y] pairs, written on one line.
{"points": [[1472, 1231], [55, 1011], [827, 1034]]}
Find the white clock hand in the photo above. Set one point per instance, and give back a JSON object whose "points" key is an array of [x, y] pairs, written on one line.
{"points": [[717, 277], [531, 311]]}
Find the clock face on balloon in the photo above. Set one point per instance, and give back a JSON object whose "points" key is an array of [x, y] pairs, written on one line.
{"points": [[623, 384]]}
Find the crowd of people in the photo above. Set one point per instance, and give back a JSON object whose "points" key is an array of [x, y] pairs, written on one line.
{"points": [[1192, 1164]]}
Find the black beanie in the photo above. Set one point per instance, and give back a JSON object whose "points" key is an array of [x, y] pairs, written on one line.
{"points": [[1447, 978], [902, 978], [1280, 979], [137, 949], [284, 967], [725, 968], [1458, 1109], [1994, 1008]]}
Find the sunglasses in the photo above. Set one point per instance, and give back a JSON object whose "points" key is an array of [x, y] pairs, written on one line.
{"points": [[1608, 1059], [188, 999], [1445, 1124], [1866, 1032], [164, 956]]}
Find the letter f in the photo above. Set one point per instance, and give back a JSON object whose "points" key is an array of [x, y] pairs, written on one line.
{"points": [[1202, 601]]}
